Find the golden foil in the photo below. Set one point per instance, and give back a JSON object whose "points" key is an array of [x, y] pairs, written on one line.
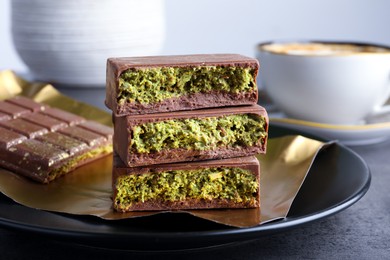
{"points": [[87, 190], [11, 85]]}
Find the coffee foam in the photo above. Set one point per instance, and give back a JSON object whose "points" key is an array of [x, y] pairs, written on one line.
{"points": [[321, 49]]}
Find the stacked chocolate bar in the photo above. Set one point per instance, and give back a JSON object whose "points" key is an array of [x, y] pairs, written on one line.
{"points": [[186, 129]]}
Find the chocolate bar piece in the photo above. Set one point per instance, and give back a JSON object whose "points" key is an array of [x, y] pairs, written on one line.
{"points": [[44, 143], [142, 85], [226, 183], [191, 135]]}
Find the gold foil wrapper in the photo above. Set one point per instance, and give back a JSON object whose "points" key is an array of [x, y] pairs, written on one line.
{"points": [[88, 190], [12, 85]]}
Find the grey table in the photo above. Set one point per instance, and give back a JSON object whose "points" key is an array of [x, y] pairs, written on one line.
{"points": [[362, 231]]}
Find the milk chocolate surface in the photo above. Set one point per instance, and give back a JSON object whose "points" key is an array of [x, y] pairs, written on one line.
{"points": [[122, 203], [44, 143], [185, 99], [127, 132]]}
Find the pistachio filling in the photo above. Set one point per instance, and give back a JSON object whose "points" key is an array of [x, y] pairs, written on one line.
{"points": [[198, 134], [151, 85], [71, 164], [235, 184]]}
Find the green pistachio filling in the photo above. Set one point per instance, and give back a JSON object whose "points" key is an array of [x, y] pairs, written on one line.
{"points": [[71, 164], [233, 184], [151, 85], [198, 134]]}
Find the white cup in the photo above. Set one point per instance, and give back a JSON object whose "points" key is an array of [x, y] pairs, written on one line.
{"points": [[326, 82], [68, 42]]}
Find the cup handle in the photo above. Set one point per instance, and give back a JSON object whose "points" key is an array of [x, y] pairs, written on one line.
{"points": [[385, 108], [380, 110], [380, 114]]}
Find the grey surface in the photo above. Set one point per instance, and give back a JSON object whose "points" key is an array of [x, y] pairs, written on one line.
{"points": [[359, 232]]}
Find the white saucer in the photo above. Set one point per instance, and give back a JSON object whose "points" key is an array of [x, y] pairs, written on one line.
{"points": [[374, 130], [351, 135]]}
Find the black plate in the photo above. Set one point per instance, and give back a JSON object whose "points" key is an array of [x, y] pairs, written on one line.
{"points": [[338, 178]]}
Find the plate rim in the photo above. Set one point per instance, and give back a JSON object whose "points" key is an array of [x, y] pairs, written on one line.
{"points": [[214, 235]]}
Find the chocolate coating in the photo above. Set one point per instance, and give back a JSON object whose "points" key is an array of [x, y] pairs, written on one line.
{"points": [[45, 121], [27, 103], [24, 127], [13, 110], [62, 115], [116, 66], [4, 116], [123, 127], [44, 143]]}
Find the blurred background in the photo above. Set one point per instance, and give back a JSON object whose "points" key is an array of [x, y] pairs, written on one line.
{"points": [[236, 26]]}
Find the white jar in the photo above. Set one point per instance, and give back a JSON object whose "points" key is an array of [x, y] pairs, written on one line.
{"points": [[68, 42]]}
